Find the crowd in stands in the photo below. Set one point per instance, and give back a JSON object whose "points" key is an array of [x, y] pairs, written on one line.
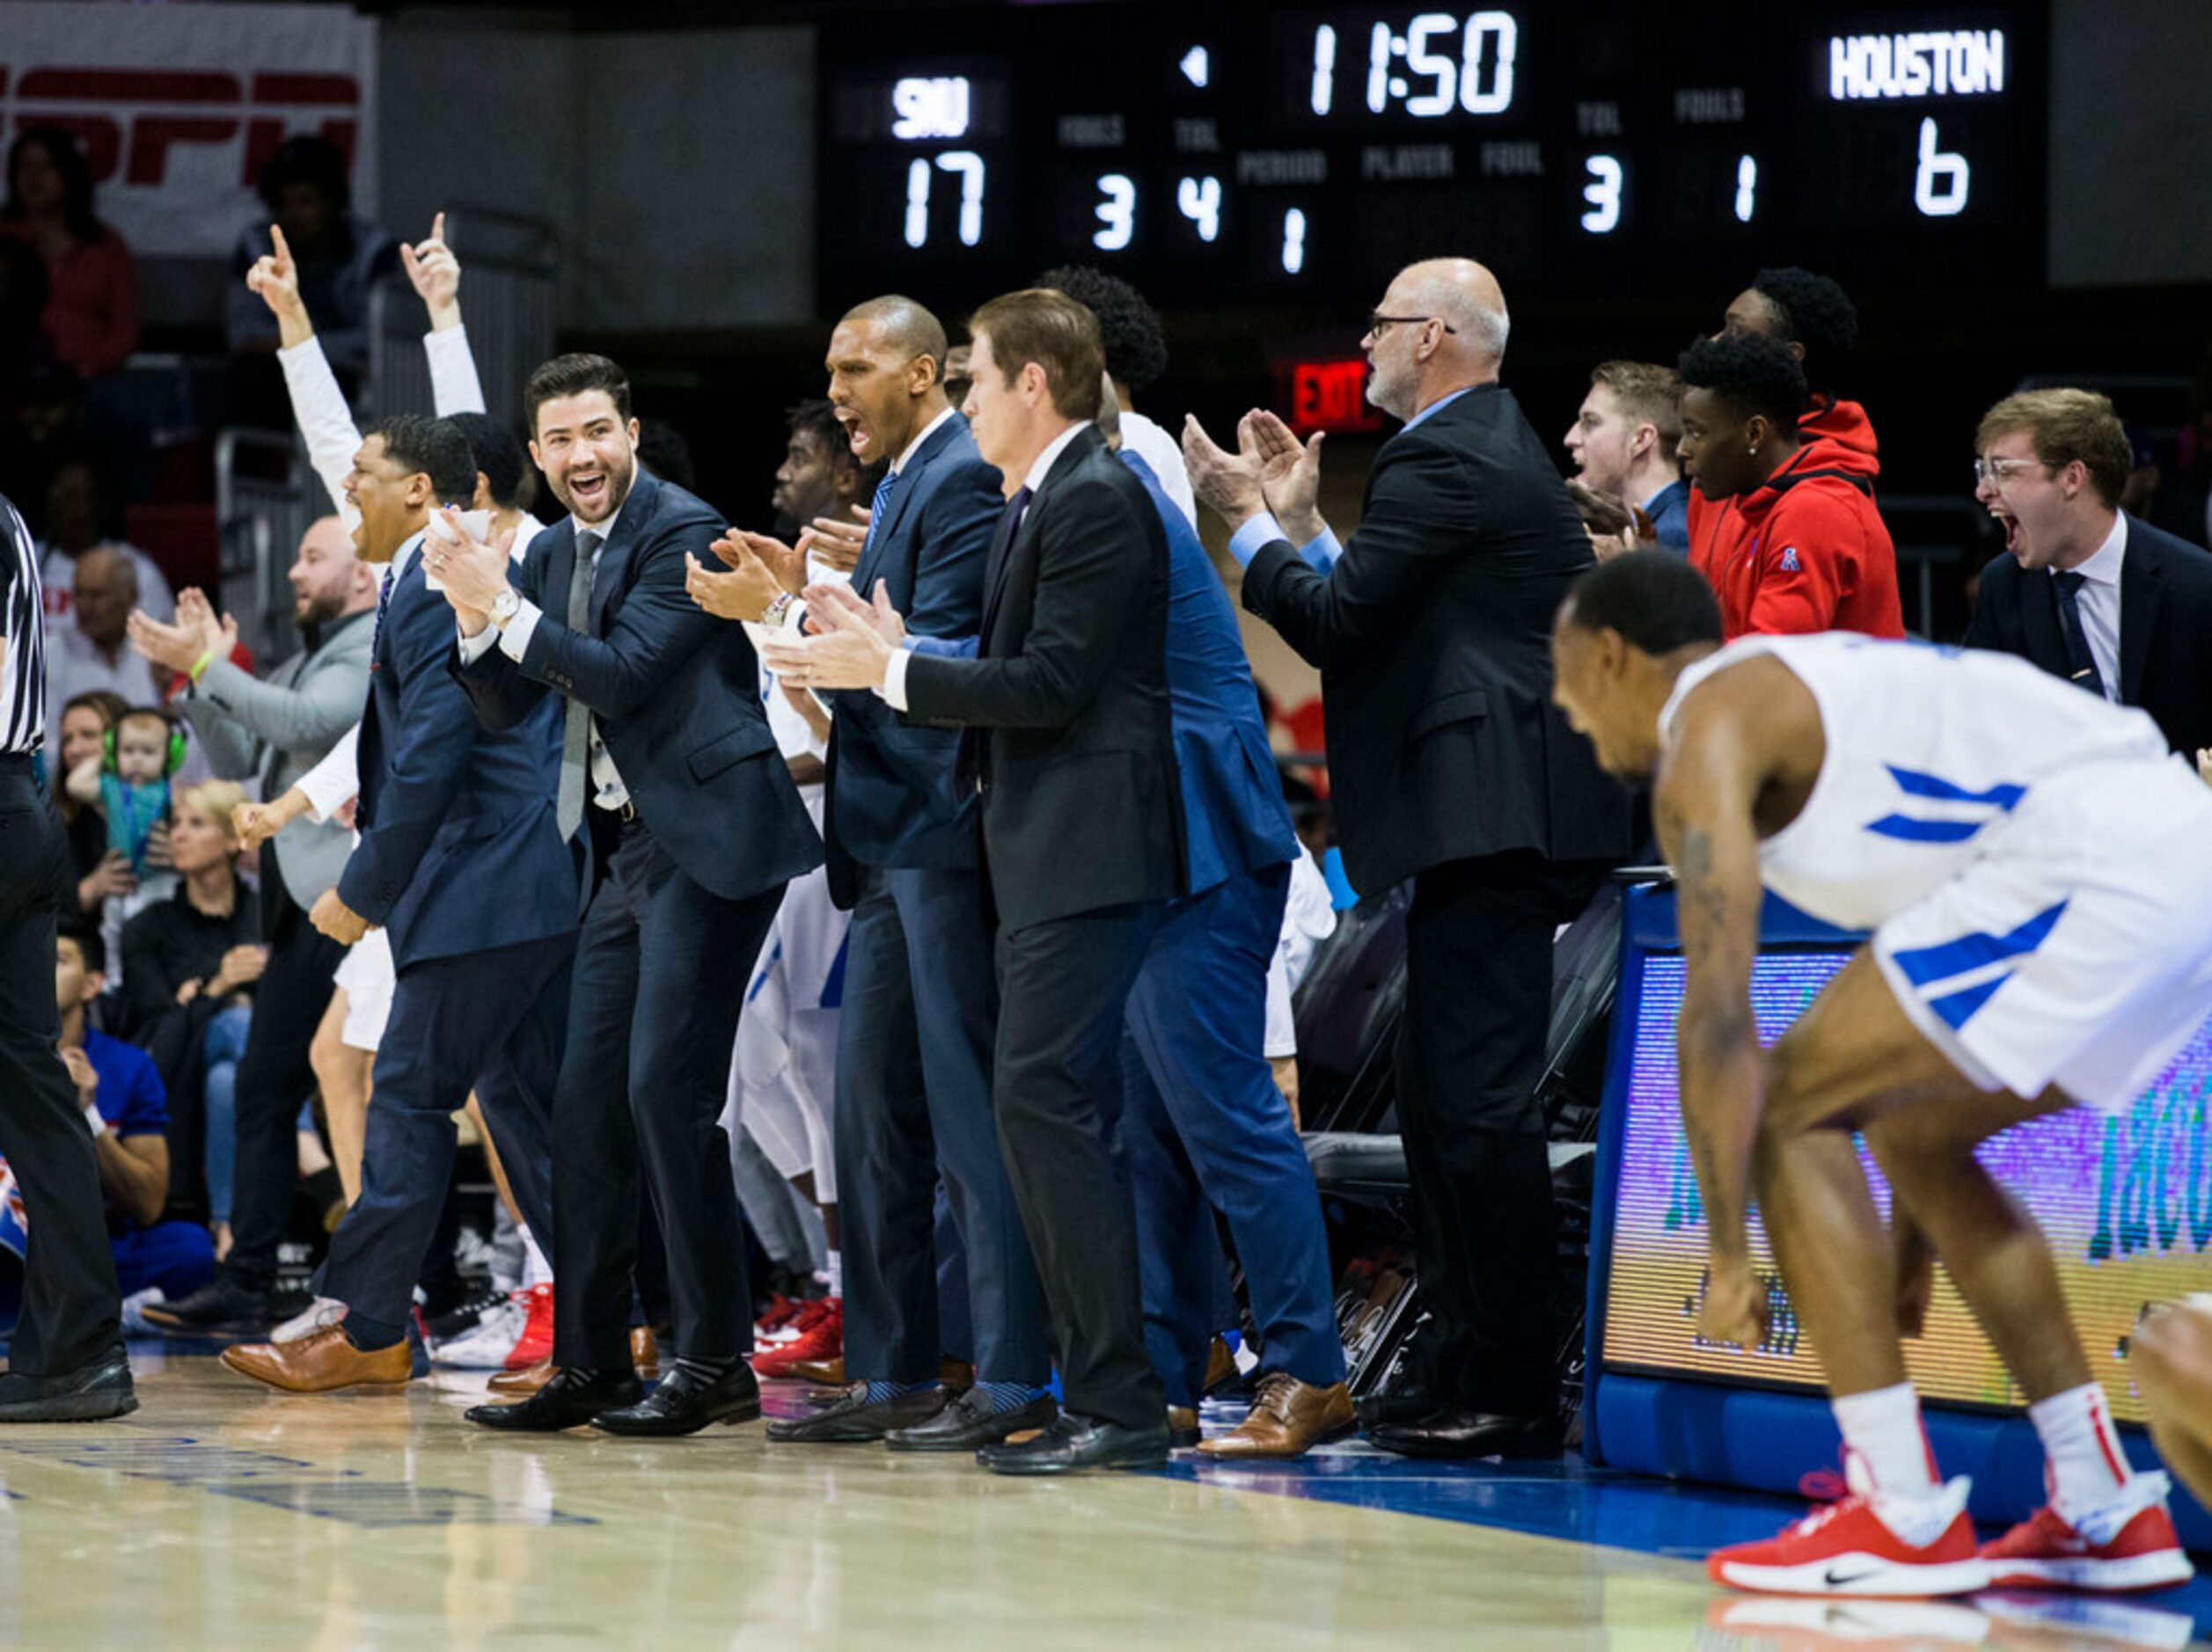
{"points": [[207, 799]]}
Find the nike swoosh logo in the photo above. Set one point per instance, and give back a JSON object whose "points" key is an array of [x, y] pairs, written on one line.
{"points": [[1837, 1579]]}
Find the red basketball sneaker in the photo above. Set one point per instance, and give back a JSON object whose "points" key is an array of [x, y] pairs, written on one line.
{"points": [[2142, 1551], [821, 1326], [535, 1344], [1855, 1547]]}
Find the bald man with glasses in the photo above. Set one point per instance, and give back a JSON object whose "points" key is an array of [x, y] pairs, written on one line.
{"points": [[1448, 767]]}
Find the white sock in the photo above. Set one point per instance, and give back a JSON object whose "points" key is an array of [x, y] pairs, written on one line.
{"points": [[2089, 1470], [536, 1269], [1881, 1428], [835, 1268]]}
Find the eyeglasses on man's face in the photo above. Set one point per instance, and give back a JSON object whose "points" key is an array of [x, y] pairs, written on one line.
{"points": [[2003, 471], [1378, 322]]}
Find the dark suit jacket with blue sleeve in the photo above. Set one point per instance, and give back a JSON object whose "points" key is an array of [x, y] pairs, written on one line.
{"points": [[458, 849], [676, 691], [891, 800], [1073, 743], [1433, 634], [1234, 819], [2165, 629]]}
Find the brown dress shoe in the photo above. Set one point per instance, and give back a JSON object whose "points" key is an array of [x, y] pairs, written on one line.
{"points": [[317, 1364], [823, 1373], [645, 1352], [1287, 1417], [1220, 1366], [524, 1383], [1183, 1427]]}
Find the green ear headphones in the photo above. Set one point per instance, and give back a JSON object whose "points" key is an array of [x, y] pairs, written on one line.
{"points": [[174, 762]]}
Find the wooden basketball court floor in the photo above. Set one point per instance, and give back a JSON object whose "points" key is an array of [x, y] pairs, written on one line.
{"points": [[223, 1516]]}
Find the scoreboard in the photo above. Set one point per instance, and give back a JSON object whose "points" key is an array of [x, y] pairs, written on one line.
{"points": [[1282, 154]]}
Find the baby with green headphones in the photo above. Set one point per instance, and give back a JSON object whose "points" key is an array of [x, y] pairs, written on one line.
{"points": [[129, 780]]}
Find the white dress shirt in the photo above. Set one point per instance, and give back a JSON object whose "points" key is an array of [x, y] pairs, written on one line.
{"points": [[2098, 600], [894, 686], [513, 639], [1145, 438]]}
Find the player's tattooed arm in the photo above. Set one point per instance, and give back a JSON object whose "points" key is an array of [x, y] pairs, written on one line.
{"points": [[1702, 809]]}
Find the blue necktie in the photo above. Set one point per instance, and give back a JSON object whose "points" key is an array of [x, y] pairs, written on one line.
{"points": [[384, 607], [875, 508], [2081, 662]]}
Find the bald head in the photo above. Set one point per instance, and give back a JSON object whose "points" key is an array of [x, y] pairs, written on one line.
{"points": [[1466, 296], [106, 588], [328, 578], [1440, 328], [907, 327]]}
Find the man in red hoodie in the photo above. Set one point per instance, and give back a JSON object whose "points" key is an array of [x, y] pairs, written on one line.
{"points": [[1800, 546]]}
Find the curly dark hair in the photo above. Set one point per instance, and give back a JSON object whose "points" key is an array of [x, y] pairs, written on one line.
{"points": [[1136, 349], [1656, 601], [1815, 311], [1750, 372]]}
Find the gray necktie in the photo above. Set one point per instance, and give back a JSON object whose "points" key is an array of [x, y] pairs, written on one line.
{"points": [[575, 743]]}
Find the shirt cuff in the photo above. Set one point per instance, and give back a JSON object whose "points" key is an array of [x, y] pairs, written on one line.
{"points": [[1245, 543], [894, 690], [515, 635], [474, 648], [1322, 551]]}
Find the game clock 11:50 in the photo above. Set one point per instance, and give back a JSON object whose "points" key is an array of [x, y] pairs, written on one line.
{"points": [[1440, 63]]}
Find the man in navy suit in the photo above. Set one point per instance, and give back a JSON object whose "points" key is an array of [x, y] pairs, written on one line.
{"points": [[698, 826], [913, 1074], [460, 863], [2089, 592], [1202, 1121]]}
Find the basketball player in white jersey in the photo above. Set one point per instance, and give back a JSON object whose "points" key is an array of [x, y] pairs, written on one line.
{"points": [[2034, 867]]}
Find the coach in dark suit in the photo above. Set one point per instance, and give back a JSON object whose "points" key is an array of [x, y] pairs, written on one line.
{"points": [[913, 1068], [460, 864], [1068, 742], [1448, 765], [701, 829], [2090, 592]]}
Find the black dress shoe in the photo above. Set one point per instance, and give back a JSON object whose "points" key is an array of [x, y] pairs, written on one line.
{"points": [[1073, 1443], [218, 1308], [1405, 1402], [99, 1389], [849, 1419], [1464, 1434], [686, 1401], [969, 1423], [572, 1399]]}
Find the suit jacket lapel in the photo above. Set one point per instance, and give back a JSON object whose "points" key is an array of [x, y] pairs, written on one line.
{"points": [[1086, 441], [910, 479], [2141, 593], [614, 555]]}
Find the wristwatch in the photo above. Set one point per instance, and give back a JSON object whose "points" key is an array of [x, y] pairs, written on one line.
{"points": [[505, 606], [773, 614]]}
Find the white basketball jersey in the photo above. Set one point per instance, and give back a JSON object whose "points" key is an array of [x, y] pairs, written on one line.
{"points": [[1929, 750]]}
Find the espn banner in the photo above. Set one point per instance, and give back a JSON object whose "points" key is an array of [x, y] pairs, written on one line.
{"points": [[2125, 1201], [178, 106]]}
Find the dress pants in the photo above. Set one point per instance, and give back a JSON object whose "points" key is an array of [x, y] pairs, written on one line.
{"points": [[914, 1104], [660, 974], [70, 1305], [1063, 985], [1205, 1129], [490, 1021], [1471, 1050], [273, 1077]]}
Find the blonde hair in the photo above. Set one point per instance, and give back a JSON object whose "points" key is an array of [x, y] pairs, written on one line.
{"points": [[2066, 425], [217, 799]]}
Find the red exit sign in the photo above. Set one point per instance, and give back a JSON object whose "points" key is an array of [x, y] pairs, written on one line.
{"points": [[1330, 395]]}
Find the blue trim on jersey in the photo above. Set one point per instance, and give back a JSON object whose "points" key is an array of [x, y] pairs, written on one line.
{"points": [[760, 976], [1932, 786], [1913, 830], [833, 986], [1957, 1008], [1923, 965]]}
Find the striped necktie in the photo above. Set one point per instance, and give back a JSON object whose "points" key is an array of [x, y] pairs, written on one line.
{"points": [[575, 743], [2081, 663]]}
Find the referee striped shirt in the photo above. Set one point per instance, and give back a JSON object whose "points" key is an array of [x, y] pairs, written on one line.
{"points": [[23, 630]]}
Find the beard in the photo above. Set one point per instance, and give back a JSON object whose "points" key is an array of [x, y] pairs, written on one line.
{"points": [[314, 612]]}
